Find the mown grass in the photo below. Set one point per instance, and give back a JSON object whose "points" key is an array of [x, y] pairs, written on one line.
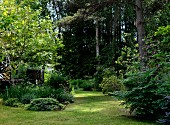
{"points": [[90, 108]]}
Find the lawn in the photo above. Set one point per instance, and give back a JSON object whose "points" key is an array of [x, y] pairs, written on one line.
{"points": [[90, 108]]}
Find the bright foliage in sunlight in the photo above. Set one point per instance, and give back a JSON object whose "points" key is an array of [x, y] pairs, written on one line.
{"points": [[26, 36]]}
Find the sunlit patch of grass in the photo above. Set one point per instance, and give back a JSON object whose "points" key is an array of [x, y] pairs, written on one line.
{"points": [[87, 93], [90, 108], [0, 101]]}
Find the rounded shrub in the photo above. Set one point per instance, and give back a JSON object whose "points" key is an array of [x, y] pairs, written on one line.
{"points": [[111, 84], [44, 104]]}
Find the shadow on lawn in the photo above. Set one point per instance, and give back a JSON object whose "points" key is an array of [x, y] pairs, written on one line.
{"points": [[112, 105], [140, 119], [96, 98]]}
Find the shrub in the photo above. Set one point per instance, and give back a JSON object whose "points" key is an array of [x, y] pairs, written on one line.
{"points": [[13, 102], [98, 78], [76, 83], [26, 93], [56, 80], [166, 118], [148, 89], [117, 94], [111, 84], [147, 98], [65, 97], [43, 92], [26, 99], [132, 79], [102, 73], [87, 85], [44, 104], [16, 91]]}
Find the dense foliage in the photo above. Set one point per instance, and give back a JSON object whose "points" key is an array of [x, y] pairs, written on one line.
{"points": [[25, 94], [44, 104], [57, 80], [111, 84], [148, 89], [26, 36], [13, 102], [147, 98]]}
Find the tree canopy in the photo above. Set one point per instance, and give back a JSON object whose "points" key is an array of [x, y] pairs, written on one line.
{"points": [[26, 36]]}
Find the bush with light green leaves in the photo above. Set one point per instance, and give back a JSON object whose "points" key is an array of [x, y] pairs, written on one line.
{"points": [[111, 84]]}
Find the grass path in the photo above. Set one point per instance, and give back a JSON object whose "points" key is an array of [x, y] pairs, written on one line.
{"points": [[90, 108]]}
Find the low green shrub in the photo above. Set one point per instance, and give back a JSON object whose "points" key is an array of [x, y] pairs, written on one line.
{"points": [[26, 93], [16, 91], [44, 92], [26, 99], [13, 102], [57, 80], [44, 104], [111, 84], [101, 73], [76, 83], [88, 85], [65, 97]]}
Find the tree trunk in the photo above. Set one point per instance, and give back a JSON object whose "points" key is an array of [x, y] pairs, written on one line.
{"points": [[140, 32], [115, 33], [140, 27], [97, 38]]}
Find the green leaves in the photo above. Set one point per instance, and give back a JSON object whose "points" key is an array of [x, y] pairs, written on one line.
{"points": [[163, 30], [27, 37], [146, 92]]}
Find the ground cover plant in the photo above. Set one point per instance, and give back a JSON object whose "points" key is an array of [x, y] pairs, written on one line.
{"points": [[13, 102], [90, 108], [44, 104]]}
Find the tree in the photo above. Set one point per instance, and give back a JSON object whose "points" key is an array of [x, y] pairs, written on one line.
{"points": [[109, 34], [25, 36]]}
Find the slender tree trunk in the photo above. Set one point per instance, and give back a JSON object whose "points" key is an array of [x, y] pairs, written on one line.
{"points": [[115, 34], [97, 38], [140, 27]]}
